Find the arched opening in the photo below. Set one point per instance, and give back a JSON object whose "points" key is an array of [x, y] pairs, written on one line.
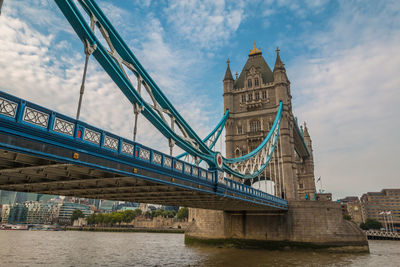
{"points": [[237, 152]]}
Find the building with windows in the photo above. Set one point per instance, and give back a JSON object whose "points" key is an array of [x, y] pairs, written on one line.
{"points": [[252, 99], [5, 212], [352, 206], [42, 213], [108, 205], [66, 210], [383, 206], [18, 213], [7, 197]]}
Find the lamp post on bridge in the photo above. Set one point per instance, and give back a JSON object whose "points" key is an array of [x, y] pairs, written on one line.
{"points": [[320, 184]]}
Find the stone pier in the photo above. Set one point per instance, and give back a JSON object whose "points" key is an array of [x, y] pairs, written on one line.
{"points": [[307, 224]]}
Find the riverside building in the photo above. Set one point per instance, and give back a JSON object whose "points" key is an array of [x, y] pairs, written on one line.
{"points": [[66, 210], [383, 206], [352, 206], [42, 213]]}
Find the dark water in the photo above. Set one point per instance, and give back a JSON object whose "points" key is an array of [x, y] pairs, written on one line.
{"points": [[40, 248]]}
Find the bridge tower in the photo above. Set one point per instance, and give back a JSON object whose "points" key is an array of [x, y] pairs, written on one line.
{"points": [[253, 100]]}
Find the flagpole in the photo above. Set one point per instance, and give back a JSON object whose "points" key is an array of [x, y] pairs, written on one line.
{"points": [[391, 221], [385, 218]]}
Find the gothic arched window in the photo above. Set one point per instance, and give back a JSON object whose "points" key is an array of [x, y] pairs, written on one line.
{"points": [[256, 82], [249, 84], [237, 152]]}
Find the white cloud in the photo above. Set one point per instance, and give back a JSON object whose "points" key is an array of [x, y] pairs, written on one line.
{"points": [[349, 94], [206, 24]]}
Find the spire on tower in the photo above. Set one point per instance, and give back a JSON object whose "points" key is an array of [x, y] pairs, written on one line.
{"points": [[255, 50], [278, 62], [306, 134], [228, 73]]}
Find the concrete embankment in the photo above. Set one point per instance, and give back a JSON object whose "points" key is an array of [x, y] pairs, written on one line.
{"points": [[307, 224]]}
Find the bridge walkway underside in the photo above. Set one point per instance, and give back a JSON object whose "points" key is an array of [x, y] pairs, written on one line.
{"points": [[28, 173]]}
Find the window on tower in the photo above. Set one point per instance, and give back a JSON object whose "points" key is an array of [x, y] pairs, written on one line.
{"points": [[243, 98], [250, 97], [255, 126], [257, 95], [239, 130], [237, 153], [249, 84], [264, 94], [256, 82]]}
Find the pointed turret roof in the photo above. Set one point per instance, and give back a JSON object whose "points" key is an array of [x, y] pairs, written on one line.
{"points": [[257, 61], [306, 134], [228, 73], [278, 62]]}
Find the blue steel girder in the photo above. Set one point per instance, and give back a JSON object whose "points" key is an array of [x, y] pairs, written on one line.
{"points": [[194, 146], [113, 61], [32, 130], [216, 133]]}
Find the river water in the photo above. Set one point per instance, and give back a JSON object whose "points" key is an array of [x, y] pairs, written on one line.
{"points": [[70, 248]]}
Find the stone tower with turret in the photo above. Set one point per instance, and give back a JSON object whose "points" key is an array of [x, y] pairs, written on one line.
{"points": [[252, 99]]}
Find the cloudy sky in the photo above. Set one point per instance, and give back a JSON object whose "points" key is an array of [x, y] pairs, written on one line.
{"points": [[342, 58]]}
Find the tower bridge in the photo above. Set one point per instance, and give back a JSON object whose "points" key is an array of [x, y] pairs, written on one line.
{"points": [[43, 151]]}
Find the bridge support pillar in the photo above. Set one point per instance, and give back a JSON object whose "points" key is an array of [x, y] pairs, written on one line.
{"points": [[307, 224]]}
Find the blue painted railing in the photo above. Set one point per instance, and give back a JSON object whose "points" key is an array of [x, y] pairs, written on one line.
{"points": [[32, 115], [242, 188]]}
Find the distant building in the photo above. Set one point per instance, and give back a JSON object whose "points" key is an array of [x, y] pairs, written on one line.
{"points": [[127, 206], [7, 197], [383, 206], [5, 213], [42, 213], [18, 213], [352, 206], [170, 208], [10, 197], [66, 210], [108, 205]]}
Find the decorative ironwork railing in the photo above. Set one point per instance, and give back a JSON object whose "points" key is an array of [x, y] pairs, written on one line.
{"points": [[22, 112]]}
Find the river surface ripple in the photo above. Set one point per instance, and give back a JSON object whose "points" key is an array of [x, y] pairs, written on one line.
{"points": [[70, 248]]}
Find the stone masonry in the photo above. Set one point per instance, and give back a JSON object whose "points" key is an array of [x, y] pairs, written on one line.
{"points": [[307, 224]]}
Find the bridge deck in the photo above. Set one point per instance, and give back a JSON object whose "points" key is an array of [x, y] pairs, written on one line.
{"points": [[36, 156]]}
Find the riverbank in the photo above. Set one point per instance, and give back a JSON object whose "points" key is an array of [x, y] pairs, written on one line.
{"points": [[124, 229]]}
